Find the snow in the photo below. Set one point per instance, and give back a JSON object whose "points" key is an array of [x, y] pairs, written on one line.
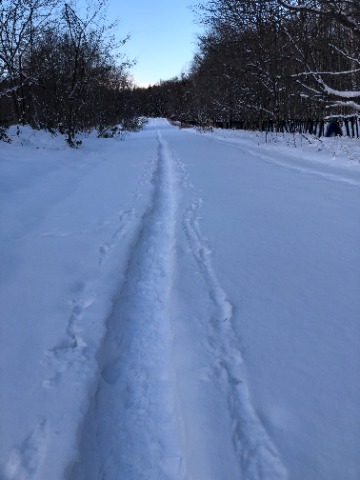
{"points": [[341, 93], [180, 306]]}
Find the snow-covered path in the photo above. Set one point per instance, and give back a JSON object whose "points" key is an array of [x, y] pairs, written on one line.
{"points": [[142, 423], [189, 310], [132, 427]]}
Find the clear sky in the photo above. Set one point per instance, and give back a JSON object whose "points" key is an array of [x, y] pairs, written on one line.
{"points": [[163, 36]]}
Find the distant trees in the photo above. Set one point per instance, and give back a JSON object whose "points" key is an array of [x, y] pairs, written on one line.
{"points": [[59, 70], [269, 62]]}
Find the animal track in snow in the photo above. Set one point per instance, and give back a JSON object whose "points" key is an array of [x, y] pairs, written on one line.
{"points": [[124, 218], [69, 351], [254, 450], [24, 461], [201, 252]]}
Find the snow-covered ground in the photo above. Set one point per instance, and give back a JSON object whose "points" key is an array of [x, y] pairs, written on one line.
{"points": [[180, 306]]}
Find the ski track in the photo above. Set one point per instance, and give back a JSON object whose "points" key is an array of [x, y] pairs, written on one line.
{"points": [[132, 423], [257, 456], [314, 169], [134, 428]]}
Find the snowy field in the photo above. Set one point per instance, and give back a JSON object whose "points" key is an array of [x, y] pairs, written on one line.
{"points": [[180, 306]]}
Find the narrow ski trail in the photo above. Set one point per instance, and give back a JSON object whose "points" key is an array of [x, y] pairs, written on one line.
{"points": [[249, 451], [131, 428], [171, 401]]}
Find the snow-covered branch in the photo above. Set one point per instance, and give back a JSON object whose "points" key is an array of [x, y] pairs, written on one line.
{"points": [[339, 93]]}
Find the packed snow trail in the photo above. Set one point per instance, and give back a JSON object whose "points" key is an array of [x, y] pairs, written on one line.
{"points": [[134, 410]]}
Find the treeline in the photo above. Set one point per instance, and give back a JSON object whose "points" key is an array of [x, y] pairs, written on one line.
{"points": [[261, 64], [267, 62], [60, 68]]}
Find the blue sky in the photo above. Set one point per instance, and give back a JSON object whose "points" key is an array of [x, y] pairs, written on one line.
{"points": [[163, 36]]}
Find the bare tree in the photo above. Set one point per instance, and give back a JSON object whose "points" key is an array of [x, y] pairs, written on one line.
{"points": [[59, 68], [250, 59], [19, 22], [329, 74]]}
